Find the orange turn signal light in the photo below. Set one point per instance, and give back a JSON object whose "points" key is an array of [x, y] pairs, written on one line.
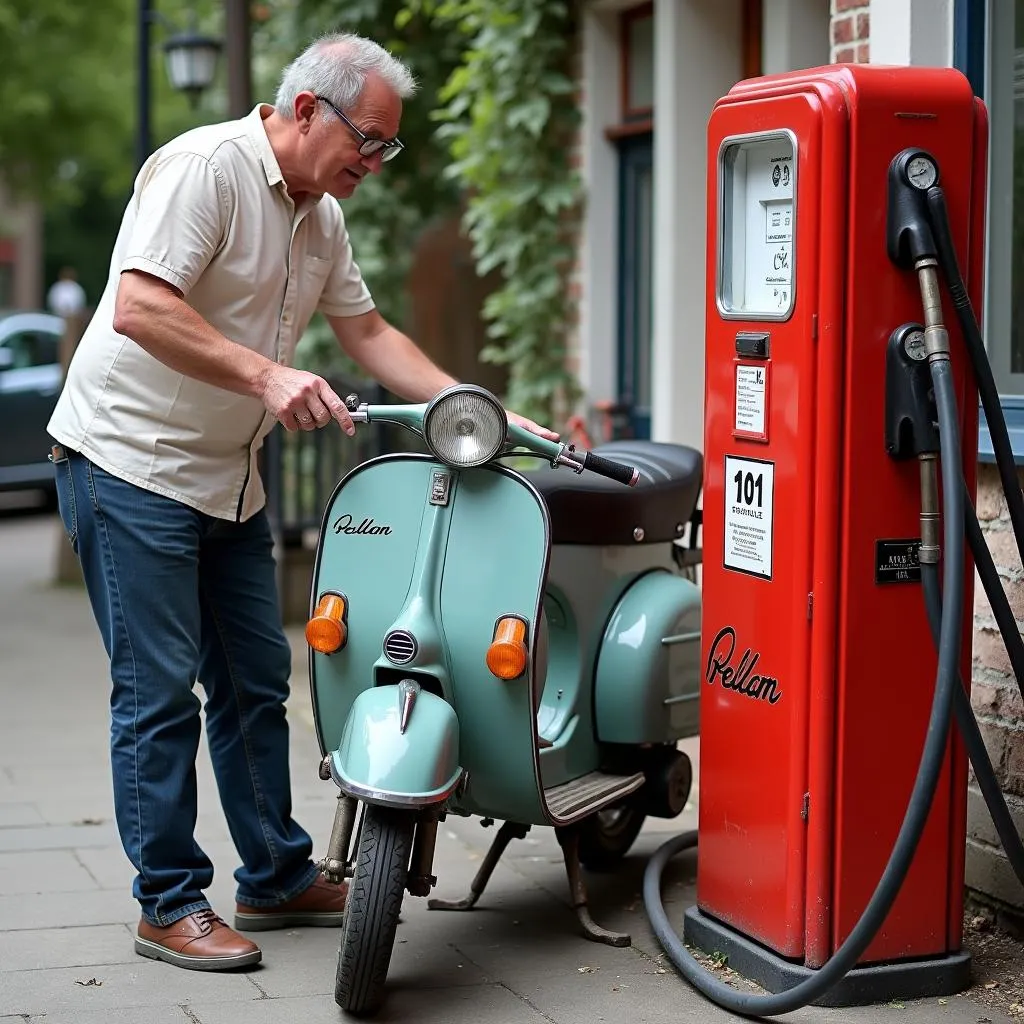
{"points": [[326, 631], [507, 656]]}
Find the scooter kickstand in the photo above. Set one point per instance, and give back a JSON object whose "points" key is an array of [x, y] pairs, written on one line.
{"points": [[509, 831], [569, 840]]}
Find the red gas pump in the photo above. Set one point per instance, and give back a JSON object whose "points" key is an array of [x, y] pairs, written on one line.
{"points": [[821, 536], [819, 662]]}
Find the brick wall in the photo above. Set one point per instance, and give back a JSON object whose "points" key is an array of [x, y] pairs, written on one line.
{"points": [[994, 692], [999, 710], [851, 27]]}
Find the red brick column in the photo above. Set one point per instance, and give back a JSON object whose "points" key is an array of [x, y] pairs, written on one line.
{"points": [[999, 709], [851, 27]]}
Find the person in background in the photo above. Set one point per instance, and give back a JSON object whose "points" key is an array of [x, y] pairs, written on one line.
{"points": [[66, 297], [231, 241]]}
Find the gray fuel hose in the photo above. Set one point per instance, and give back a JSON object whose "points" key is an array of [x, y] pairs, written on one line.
{"points": [[939, 218], [973, 741]]}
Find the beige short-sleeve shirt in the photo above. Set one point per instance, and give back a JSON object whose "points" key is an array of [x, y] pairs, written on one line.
{"points": [[211, 215]]}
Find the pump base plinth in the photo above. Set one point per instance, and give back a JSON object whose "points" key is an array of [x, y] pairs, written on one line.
{"points": [[863, 986]]}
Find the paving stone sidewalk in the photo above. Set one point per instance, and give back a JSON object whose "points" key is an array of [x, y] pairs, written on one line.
{"points": [[67, 915]]}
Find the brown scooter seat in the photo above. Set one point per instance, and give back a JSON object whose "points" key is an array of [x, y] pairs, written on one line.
{"points": [[589, 509]]}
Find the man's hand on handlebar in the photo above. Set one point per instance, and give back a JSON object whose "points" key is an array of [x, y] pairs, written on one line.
{"points": [[533, 428], [303, 401]]}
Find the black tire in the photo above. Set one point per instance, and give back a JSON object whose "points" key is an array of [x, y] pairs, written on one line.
{"points": [[372, 909], [605, 837]]}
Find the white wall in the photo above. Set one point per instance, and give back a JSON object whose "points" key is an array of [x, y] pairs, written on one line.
{"points": [[697, 59], [600, 229], [912, 32], [794, 35]]}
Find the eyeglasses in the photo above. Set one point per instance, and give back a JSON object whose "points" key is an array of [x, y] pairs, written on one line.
{"points": [[388, 148]]}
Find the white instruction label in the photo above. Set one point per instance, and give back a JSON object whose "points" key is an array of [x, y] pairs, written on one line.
{"points": [[749, 508], [750, 399]]}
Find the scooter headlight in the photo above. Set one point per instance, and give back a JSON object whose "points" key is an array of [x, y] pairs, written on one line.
{"points": [[465, 426]]}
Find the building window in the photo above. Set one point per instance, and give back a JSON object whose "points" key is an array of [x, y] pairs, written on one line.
{"points": [[989, 50], [633, 138], [636, 280], [637, 48]]}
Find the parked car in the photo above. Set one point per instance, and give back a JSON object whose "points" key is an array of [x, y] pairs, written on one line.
{"points": [[30, 381]]}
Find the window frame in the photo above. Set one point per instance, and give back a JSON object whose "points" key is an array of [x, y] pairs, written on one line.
{"points": [[628, 114], [635, 154], [981, 31]]}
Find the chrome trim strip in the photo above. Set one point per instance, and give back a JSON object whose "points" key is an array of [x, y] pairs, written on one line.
{"points": [[681, 638], [389, 799], [682, 698], [408, 691]]}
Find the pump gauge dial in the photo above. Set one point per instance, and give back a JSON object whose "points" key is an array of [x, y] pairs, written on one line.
{"points": [[922, 172]]}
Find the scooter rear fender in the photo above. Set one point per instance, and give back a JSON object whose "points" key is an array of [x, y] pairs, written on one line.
{"points": [[399, 747]]}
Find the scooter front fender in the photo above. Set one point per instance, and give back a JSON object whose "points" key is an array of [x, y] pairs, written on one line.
{"points": [[399, 747]]}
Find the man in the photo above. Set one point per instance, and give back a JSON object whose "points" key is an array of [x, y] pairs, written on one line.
{"points": [[66, 297], [229, 244]]}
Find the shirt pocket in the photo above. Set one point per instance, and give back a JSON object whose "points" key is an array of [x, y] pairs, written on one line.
{"points": [[316, 270]]}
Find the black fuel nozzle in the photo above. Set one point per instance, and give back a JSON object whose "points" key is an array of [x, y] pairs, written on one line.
{"points": [[908, 227], [910, 413]]}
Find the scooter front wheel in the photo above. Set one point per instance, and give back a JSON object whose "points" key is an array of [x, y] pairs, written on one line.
{"points": [[374, 903]]}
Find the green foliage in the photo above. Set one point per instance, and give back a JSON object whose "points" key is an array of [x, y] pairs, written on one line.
{"points": [[495, 74], [389, 211], [509, 118], [58, 92], [488, 137], [67, 94]]}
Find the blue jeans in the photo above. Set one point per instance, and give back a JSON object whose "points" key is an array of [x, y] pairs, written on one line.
{"points": [[179, 595]]}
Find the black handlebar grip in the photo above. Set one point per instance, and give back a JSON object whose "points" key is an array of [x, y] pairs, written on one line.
{"points": [[618, 471]]}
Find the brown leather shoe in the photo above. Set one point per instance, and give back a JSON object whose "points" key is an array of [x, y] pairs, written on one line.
{"points": [[321, 905], [200, 942]]}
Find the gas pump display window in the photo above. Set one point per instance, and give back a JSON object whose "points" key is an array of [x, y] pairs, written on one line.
{"points": [[756, 220]]}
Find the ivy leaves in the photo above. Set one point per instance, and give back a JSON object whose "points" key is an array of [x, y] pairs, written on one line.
{"points": [[509, 120], [493, 128]]}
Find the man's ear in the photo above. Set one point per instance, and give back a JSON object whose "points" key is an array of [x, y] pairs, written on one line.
{"points": [[305, 109]]}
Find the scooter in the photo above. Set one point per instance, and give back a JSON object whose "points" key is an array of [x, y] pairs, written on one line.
{"points": [[498, 640]]}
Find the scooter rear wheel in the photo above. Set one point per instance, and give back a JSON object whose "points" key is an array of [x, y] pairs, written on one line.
{"points": [[605, 837], [374, 903]]}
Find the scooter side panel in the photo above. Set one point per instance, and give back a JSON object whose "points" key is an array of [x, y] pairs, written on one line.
{"points": [[495, 566], [367, 552], [647, 685]]}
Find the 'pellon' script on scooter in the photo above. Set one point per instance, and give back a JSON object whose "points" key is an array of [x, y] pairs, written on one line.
{"points": [[742, 678], [343, 524]]}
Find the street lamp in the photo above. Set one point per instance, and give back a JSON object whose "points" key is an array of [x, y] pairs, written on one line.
{"points": [[191, 64]]}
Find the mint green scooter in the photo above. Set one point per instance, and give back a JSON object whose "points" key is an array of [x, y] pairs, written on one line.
{"points": [[511, 641]]}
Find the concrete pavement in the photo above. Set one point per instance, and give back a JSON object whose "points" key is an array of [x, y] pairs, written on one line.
{"points": [[67, 916]]}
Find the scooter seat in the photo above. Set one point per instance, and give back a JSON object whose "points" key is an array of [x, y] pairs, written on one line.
{"points": [[589, 509]]}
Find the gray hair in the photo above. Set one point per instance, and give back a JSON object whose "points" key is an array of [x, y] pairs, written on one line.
{"points": [[336, 66]]}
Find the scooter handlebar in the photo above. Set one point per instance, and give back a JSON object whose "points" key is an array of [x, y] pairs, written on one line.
{"points": [[560, 454], [617, 471]]}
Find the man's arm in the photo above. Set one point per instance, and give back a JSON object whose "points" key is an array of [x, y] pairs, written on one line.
{"points": [[154, 315], [390, 357]]}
